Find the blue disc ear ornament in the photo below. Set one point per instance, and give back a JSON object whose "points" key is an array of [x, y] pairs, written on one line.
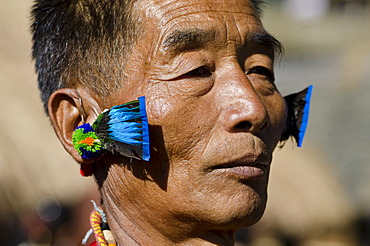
{"points": [[298, 111], [122, 129]]}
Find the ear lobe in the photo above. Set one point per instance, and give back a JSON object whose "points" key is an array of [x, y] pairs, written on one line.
{"points": [[67, 112]]}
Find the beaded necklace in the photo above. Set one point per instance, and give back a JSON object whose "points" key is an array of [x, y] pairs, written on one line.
{"points": [[100, 228]]}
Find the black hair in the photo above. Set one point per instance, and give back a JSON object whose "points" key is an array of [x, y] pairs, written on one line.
{"points": [[258, 6], [76, 41]]}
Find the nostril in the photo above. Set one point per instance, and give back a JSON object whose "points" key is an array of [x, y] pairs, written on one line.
{"points": [[243, 126]]}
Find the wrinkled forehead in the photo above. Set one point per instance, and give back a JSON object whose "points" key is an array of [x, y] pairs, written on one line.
{"points": [[172, 14]]}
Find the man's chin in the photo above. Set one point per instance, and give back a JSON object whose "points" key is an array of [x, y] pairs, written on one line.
{"points": [[238, 212], [247, 216]]}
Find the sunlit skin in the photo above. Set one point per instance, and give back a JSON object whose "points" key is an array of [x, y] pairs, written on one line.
{"points": [[215, 118]]}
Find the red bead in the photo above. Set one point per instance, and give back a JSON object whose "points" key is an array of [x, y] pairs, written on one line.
{"points": [[86, 169]]}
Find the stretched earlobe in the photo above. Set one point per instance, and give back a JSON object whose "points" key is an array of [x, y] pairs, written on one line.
{"points": [[67, 111]]}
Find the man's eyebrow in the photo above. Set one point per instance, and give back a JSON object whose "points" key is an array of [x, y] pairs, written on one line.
{"points": [[188, 39], [267, 40]]}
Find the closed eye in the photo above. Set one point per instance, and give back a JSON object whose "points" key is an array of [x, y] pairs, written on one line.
{"points": [[202, 71], [262, 71]]}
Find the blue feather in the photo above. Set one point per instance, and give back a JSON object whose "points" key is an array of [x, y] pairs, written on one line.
{"points": [[126, 129], [306, 111], [145, 132]]}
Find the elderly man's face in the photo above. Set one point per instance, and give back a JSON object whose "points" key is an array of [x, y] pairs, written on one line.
{"points": [[206, 69]]}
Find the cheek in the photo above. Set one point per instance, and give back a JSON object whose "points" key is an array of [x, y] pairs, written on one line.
{"points": [[189, 130], [181, 123], [278, 114], [158, 108]]}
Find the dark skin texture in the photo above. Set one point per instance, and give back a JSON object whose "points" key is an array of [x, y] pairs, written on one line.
{"points": [[215, 118]]}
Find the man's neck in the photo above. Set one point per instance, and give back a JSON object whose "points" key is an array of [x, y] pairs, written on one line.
{"points": [[129, 228]]}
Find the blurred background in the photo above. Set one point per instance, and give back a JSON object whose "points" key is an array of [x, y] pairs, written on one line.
{"points": [[318, 194]]}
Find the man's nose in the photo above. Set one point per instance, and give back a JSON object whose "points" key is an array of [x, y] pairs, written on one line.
{"points": [[245, 110]]}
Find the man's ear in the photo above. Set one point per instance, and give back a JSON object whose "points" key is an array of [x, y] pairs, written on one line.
{"points": [[69, 108]]}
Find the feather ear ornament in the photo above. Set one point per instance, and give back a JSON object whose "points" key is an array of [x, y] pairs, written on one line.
{"points": [[122, 129], [298, 111]]}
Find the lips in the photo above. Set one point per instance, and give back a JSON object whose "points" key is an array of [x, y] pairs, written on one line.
{"points": [[247, 167]]}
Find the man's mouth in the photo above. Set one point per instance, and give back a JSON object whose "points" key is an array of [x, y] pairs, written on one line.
{"points": [[248, 167]]}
